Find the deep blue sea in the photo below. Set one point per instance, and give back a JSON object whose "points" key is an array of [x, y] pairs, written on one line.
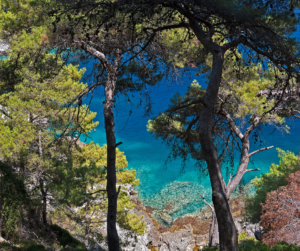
{"points": [[165, 182]]}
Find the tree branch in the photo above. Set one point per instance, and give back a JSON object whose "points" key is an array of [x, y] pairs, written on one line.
{"points": [[233, 43], [85, 46], [168, 27], [260, 150], [195, 101], [250, 170], [211, 207], [233, 126], [102, 190]]}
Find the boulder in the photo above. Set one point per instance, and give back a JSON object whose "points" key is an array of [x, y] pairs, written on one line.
{"points": [[179, 240], [164, 247], [2, 240]]}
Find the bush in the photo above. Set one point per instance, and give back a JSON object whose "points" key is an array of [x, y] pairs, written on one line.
{"points": [[281, 213], [270, 181]]}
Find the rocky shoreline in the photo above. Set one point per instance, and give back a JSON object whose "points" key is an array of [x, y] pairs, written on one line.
{"points": [[186, 233]]}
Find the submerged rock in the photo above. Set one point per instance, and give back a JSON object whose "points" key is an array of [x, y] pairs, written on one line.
{"points": [[166, 218], [175, 200]]}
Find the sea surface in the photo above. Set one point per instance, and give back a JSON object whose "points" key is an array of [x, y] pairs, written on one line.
{"points": [[165, 182]]}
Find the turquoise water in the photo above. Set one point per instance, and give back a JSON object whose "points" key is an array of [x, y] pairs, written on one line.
{"points": [[169, 186], [169, 183]]}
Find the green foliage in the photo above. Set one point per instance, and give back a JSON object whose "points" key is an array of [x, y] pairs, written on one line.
{"points": [[270, 181], [86, 180], [168, 125], [244, 236], [129, 220], [20, 14], [38, 103], [253, 245], [24, 247]]}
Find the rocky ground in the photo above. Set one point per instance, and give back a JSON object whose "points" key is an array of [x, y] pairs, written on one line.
{"points": [[186, 233]]}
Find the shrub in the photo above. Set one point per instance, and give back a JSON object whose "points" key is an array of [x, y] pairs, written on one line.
{"points": [[281, 213], [270, 181]]}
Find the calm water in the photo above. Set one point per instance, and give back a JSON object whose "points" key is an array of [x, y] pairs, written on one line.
{"points": [[162, 183]]}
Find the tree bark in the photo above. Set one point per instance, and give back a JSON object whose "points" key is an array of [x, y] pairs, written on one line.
{"points": [[112, 234], [213, 230], [227, 231], [43, 191], [44, 203], [87, 225]]}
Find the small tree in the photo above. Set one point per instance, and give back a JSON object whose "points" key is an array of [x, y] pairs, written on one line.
{"points": [[281, 213], [86, 201]]}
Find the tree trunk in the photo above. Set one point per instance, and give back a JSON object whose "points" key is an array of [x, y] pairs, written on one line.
{"points": [[43, 192], [87, 225], [44, 204], [213, 231], [0, 213], [112, 194], [227, 231], [112, 234]]}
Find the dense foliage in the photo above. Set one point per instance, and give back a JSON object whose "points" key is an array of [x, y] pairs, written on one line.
{"points": [[43, 163], [245, 48], [280, 213]]}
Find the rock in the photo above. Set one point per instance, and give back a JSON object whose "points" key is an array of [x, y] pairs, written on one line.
{"points": [[4, 46], [251, 229], [164, 247], [2, 240], [140, 246], [176, 199], [190, 247], [166, 218], [179, 240], [201, 240], [238, 226]]}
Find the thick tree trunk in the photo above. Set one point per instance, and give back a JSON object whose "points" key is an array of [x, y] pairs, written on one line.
{"points": [[112, 234], [227, 231]]}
